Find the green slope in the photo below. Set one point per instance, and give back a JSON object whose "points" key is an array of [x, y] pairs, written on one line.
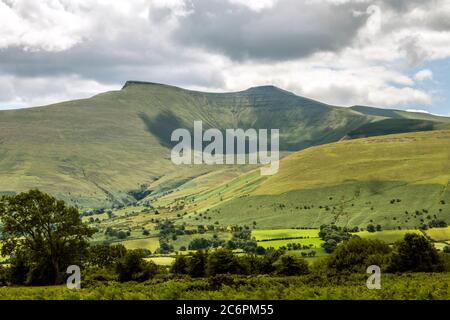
{"points": [[395, 181], [94, 152]]}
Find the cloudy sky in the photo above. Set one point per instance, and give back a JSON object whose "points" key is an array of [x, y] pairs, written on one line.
{"points": [[386, 53]]}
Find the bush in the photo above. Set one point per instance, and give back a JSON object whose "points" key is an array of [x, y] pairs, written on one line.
{"points": [[93, 275], [356, 254], [415, 253], [105, 256], [132, 267], [332, 235], [4, 276], [180, 265], [200, 244], [197, 264], [291, 265], [221, 261]]}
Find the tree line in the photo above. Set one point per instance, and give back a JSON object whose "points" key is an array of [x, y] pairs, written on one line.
{"points": [[42, 237]]}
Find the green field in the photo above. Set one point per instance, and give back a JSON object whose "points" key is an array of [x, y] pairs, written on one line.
{"points": [[162, 261], [388, 236], [150, 243], [284, 233], [277, 238], [439, 234], [315, 242]]}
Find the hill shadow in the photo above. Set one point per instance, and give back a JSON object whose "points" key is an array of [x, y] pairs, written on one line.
{"points": [[162, 126]]}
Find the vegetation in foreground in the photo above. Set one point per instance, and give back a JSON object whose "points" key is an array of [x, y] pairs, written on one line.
{"points": [[411, 286], [42, 237]]}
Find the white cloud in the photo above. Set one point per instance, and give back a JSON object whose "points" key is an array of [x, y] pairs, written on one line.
{"points": [[60, 49], [424, 74]]}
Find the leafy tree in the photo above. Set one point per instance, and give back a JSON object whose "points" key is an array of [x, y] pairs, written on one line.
{"points": [[260, 250], [266, 266], [104, 255], [437, 224], [180, 265], [44, 232], [291, 265], [330, 245], [332, 235], [132, 267], [221, 261], [199, 243], [356, 254], [197, 264], [417, 254]]}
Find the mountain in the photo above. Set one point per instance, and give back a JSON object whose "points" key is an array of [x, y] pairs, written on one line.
{"points": [[397, 181], [114, 148]]}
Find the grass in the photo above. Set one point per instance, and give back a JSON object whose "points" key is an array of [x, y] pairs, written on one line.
{"points": [[388, 236], [417, 286], [162, 261], [439, 234], [277, 238], [149, 243], [350, 183], [184, 240], [315, 242], [284, 233]]}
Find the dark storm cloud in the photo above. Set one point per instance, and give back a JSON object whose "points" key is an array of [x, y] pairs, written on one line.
{"points": [[288, 30]]}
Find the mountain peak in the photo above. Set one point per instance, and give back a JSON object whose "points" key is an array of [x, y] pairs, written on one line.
{"points": [[130, 83], [266, 89]]}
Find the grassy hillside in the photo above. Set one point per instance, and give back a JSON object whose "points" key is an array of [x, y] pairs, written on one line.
{"points": [[114, 148], [397, 181]]}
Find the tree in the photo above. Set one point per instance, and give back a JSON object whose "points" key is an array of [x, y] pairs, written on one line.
{"points": [[104, 255], [45, 232], [417, 254], [180, 265], [197, 264], [291, 265], [356, 254], [332, 235], [330, 245], [221, 261], [132, 267], [199, 243], [371, 228]]}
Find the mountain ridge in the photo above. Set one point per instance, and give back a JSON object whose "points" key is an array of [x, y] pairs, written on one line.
{"points": [[93, 152]]}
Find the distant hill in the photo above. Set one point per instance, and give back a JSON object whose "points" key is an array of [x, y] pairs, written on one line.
{"points": [[114, 147]]}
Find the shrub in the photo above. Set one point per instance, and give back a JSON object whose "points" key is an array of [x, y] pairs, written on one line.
{"points": [[180, 265], [356, 254], [197, 264], [132, 267], [417, 254], [105, 256], [221, 261], [200, 244], [291, 265]]}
